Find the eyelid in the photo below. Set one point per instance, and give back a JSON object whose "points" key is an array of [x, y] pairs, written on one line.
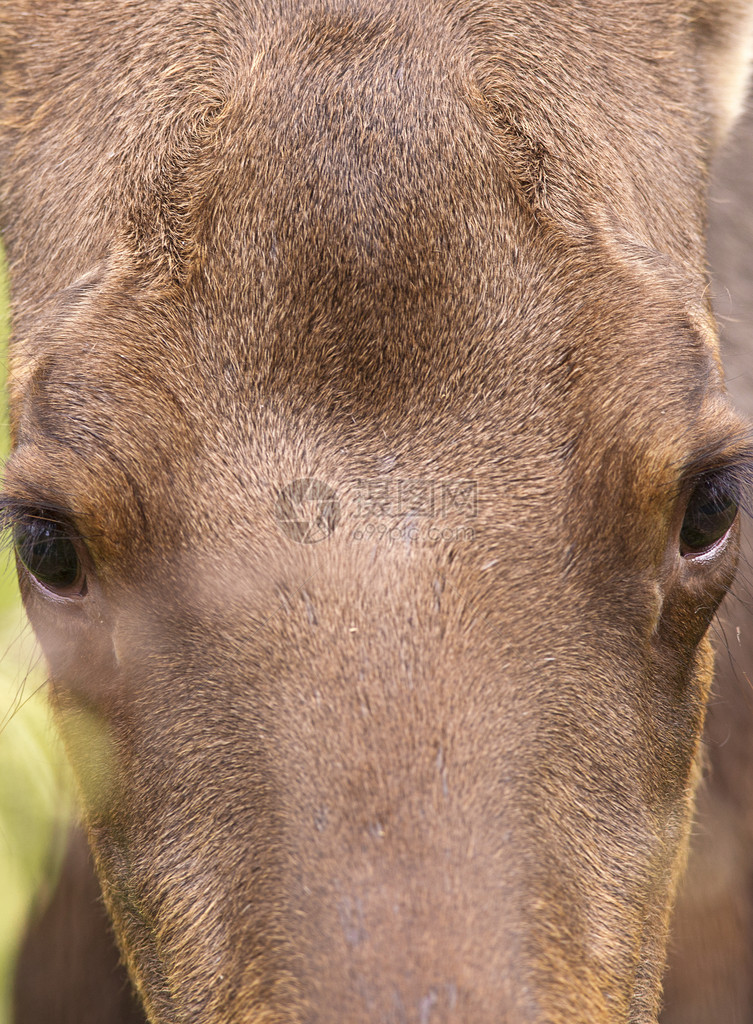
{"points": [[733, 474], [731, 454], [13, 510], [709, 554]]}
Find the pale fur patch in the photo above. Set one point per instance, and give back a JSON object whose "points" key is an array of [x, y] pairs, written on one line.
{"points": [[731, 76]]}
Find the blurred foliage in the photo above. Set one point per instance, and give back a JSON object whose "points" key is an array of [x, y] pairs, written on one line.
{"points": [[35, 801]]}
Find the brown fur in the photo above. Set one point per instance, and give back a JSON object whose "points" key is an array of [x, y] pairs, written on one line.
{"points": [[442, 771]]}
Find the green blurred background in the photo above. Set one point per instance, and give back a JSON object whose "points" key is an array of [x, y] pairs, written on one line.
{"points": [[34, 789]]}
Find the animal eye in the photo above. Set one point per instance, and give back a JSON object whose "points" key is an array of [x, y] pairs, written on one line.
{"points": [[711, 511], [47, 550]]}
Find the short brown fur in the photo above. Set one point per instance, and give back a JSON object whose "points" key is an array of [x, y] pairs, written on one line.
{"points": [[440, 766]]}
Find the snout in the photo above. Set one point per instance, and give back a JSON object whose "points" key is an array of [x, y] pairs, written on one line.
{"points": [[441, 906], [350, 826]]}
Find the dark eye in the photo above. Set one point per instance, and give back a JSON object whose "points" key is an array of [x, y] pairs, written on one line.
{"points": [[711, 511], [46, 549]]}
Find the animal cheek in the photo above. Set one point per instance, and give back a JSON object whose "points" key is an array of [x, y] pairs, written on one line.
{"points": [[704, 666]]}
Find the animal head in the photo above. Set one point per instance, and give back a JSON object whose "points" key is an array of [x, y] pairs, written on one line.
{"points": [[373, 487]]}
